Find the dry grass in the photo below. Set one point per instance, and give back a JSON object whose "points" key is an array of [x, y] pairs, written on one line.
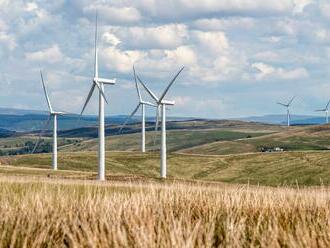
{"points": [[57, 213]]}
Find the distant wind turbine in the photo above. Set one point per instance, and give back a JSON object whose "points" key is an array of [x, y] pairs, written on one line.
{"points": [[287, 106], [161, 104], [141, 104], [99, 83], [326, 111], [52, 114]]}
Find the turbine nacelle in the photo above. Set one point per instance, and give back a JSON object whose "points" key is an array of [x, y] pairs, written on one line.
{"points": [[57, 113], [104, 80], [148, 103], [167, 102]]}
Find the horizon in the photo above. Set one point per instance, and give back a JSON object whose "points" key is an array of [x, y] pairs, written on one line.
{"points": [[46, 112]]}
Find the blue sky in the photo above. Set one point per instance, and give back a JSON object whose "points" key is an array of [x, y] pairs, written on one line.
{"points": [[241, 56]]}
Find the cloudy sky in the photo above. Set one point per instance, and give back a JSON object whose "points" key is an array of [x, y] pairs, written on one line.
{"points": [[240, 56]]}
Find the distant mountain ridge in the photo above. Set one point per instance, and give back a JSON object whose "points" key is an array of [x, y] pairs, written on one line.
{"points": [[31, 120], [20, 120], [282, 119]]}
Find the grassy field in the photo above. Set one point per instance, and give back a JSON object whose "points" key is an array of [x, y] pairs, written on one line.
{"points": [[25, 143], [75, 213], [274, 169], [176, 140], [292, 139], [181, 135]]}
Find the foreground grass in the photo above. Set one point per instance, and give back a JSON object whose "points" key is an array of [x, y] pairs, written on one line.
{"points": [[273, 169], [57, 213]]}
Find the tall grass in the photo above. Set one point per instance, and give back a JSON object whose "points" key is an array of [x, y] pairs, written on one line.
{"points": [[58, 213]]}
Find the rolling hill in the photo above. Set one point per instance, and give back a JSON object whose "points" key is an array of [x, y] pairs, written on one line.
{"points": [[292, 139], [273, 169], [180, 135]]}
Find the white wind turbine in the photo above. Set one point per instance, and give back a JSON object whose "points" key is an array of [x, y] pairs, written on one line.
{"points": [[99, 83], [287, 106], [52, 114], [141, 104], [326, 111], [161, 104]]}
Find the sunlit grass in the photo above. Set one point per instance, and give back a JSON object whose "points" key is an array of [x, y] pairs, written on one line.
{"points": [[57, 213]]}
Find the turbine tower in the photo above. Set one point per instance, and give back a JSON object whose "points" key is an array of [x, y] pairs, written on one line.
{"points": [[52, 114], [99, 83], [326, 111], [141, 104], [287, 106], [161, 104]]}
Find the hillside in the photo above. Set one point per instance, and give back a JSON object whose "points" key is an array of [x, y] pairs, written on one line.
{"points": [[192, 133], [303, 168], [292, 139], [4, 133], [180, 135]]}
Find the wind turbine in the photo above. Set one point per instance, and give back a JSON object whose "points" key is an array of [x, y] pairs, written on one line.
{"points": [[287, 109], [326, 110], [52, 114], [99, 83], [141, 104], [161, 104]]}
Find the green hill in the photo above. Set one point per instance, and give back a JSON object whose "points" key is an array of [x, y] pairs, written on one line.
{"points": [[289, 168], [292, 139]]}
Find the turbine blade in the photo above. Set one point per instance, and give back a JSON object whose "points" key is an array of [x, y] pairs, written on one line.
{"points": [[148, 90], [327, 105], [284, 105], [149, 104], [136, 85], [320, 110], [41, 133], [170, 84], [157, 118], [128, 118], [291, 100], [101, 90], [96, 69], [46, 93], [88, 98]]}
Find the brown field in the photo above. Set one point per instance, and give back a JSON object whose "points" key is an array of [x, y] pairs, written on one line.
{"points": [[44, 212]]}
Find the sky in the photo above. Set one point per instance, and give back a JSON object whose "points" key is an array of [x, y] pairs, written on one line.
{"points": [[240, 57]]}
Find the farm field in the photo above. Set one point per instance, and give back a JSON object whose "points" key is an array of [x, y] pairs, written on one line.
{"points": [[39, 212]]}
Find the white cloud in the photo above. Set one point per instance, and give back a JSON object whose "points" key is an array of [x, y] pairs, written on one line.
{"points": [[183, 55], [265, 71], [111, 39], [160, 37], [300, 5], [268, 56], [215, 24], [115, 15], [182, 101], [214, 42], [50, 55], [31, 6], [194, 9], [8, 42], [118, 60], [325, 10]]}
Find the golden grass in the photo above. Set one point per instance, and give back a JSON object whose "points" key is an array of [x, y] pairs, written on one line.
{"points": [[75, 213]]}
